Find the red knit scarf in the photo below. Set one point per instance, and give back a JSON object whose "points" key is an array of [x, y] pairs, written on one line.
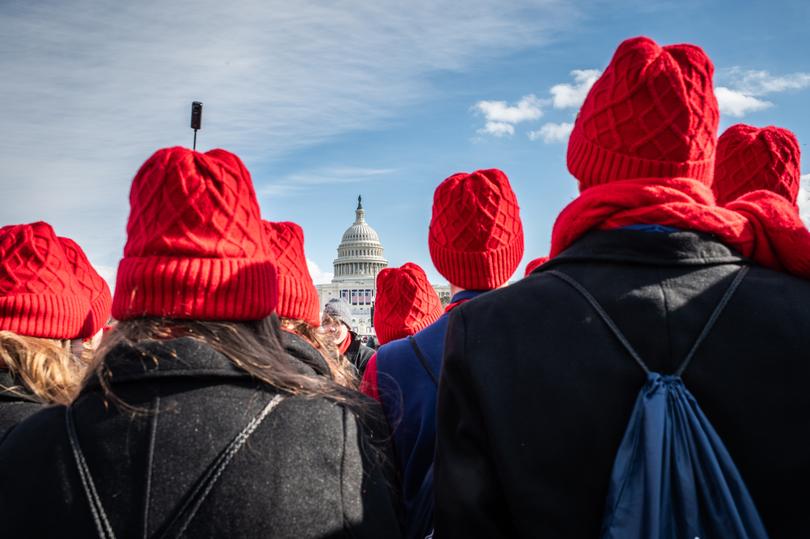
{"points": [[761, 225]]}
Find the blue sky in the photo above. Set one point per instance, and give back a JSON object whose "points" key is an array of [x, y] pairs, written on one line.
{"points": [[327, 100]]}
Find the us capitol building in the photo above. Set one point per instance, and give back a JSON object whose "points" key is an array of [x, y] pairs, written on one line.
{"points": [[360, 258]]}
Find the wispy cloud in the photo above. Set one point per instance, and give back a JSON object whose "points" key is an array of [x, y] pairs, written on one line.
{"points": [[742, 89], [738, 104], [89, 92], [552, 132], [301, 181], [502, 117], [760, 82], [318, 275], [566, 95]]}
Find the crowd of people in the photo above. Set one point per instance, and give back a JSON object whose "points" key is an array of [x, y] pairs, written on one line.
{"points": [[644, 379]]}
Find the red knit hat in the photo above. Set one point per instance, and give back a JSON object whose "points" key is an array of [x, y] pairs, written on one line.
{"points": [[96, 288], [196, 247], [476, 236], [406, 302], [750, 158], [297, 295], [39, 295], [652, 114], [534, 264]]}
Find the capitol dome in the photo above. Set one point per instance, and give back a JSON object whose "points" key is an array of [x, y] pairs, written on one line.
{"points": [[360, 253]]}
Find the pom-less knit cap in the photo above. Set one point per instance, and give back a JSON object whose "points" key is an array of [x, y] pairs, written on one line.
{"points": [[406, 302], [340, 310], [476, 236], [39, 295], [751, 158], [196, 247], [93, 285], [297, 295], [652, 114]]}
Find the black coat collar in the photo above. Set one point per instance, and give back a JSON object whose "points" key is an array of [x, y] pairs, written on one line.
{"points": [[184, 357], [150, 359], [683, 248]]}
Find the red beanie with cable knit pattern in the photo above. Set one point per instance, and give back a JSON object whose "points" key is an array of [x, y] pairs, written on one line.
{"points": [[297, 295], [96, 288], [751, 158], [476, 235], [652, 114], [39, 294], [406, 302], [196, 247]]}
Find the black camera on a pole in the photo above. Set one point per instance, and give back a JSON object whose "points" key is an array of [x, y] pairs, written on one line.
{"points": [[196, 119]]}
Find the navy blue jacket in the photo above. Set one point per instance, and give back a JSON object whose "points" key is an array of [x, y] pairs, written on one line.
{"points": [[408, 396]]}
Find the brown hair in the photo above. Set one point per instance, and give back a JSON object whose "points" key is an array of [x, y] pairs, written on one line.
{"points": [[342, 371], [253, 346], [45, 367]]}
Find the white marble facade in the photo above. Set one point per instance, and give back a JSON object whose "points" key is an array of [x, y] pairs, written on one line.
{"points": [[360, 258]]}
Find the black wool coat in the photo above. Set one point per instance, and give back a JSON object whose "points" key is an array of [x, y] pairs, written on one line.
{"points": [[535, 392], [15, 404], [308, 470]]}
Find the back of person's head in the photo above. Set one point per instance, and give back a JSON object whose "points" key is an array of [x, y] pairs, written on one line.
{"points": [[196, 248], [197, 265], [42, 307], [297, 295], [534, 264], [476, 235], [406, 302], [652, 114], [751, 158], [298, 304]]}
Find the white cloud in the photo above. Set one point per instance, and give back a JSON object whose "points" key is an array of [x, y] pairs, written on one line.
{"points": [[738, 104], [760, 82], [497, 129], [88, 93], [566, 95], [804, 199], [308, 179], [551, 132], [318, 276], [528, 108]]}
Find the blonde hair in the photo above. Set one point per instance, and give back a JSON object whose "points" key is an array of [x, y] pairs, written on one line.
{"points": [[342, 371], [45, 367]]}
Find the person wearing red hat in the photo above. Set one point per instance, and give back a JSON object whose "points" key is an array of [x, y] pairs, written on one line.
{"points": [[752, 158], [43, 307], [194, 413], [298, 306], [98, 293], [536, 389], [406, 303], [476, 243]]}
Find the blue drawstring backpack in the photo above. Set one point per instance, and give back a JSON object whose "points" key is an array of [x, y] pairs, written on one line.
{"points": [[672, 477]]}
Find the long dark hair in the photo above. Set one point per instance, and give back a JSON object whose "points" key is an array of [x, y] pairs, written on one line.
{"points": [[253, 346]]}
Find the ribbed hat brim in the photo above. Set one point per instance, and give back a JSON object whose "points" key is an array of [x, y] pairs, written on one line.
{"points": [[594, 165], [47, 316], [195, 288]]}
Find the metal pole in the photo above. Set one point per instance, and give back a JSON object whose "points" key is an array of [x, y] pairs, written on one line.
{"points": [[195, 140]]}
